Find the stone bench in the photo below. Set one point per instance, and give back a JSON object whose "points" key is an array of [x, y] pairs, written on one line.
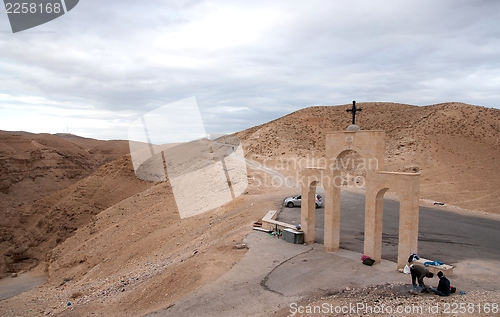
{"points": [[445, 268], [269, 222]]}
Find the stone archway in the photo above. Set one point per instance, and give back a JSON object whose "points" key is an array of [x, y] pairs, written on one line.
{"points": [[371, 147], [407, 187]]}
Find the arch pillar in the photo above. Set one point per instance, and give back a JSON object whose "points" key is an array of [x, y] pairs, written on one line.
{"points": [[332, 212], [408, 221], [374, 212]]}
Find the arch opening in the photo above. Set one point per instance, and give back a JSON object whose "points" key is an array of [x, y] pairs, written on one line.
{"points": [[390, 210], [352, 168]]}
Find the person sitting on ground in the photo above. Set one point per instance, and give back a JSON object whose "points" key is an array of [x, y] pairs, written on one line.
{"points": [[443, 288], [418, 272]]}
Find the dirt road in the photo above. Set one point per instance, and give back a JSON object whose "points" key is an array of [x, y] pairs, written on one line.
{"points": [[23, 282]]}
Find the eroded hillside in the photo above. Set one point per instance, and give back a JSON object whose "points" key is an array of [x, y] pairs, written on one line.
{"points": [[454, 146], [38, 209]]}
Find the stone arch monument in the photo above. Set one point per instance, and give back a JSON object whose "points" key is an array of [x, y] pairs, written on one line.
{"points": [[370, 145]]}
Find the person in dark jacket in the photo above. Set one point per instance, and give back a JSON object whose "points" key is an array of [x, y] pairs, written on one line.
{"points": [[443, 288], [418, 272]]}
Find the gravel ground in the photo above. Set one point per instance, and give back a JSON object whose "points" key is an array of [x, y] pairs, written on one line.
{"points": [[396, 299]]}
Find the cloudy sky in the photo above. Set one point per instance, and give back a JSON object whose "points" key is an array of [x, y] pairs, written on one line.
{"points": [[100, 67]]}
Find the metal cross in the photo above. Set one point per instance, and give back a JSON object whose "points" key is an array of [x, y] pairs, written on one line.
{"points": [[354, 110]]}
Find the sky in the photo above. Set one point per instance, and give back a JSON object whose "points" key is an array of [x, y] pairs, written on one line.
{"points": [[104, 65]]}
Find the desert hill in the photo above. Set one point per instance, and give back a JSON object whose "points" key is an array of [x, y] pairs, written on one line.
{"points": [[454, 146], [51, 220], [32, 168], [138, 255], [34, 165], [116, 245]]}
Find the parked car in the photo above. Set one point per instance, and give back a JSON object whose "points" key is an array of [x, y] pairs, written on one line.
{"points": [[293, 201]]}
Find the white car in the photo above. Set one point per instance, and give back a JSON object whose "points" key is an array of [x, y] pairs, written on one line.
{"points": [[293, 201]]}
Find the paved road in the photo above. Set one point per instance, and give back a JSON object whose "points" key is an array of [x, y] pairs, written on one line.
{"points": [[10, 287], [445, 236]]}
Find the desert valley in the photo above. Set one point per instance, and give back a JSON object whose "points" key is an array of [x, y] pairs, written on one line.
{"points": [[74, 213]]}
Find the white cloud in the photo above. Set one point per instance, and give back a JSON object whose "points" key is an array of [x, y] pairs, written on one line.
{"points": [[246, 62]]}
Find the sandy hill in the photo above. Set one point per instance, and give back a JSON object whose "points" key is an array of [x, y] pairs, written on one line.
{"points": [[455, 146], [115, 245], [51, 220], [138, 255], [35, 166]]}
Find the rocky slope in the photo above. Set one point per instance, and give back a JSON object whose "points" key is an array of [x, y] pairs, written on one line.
{"points": [[32, 168], [454, 146]]}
